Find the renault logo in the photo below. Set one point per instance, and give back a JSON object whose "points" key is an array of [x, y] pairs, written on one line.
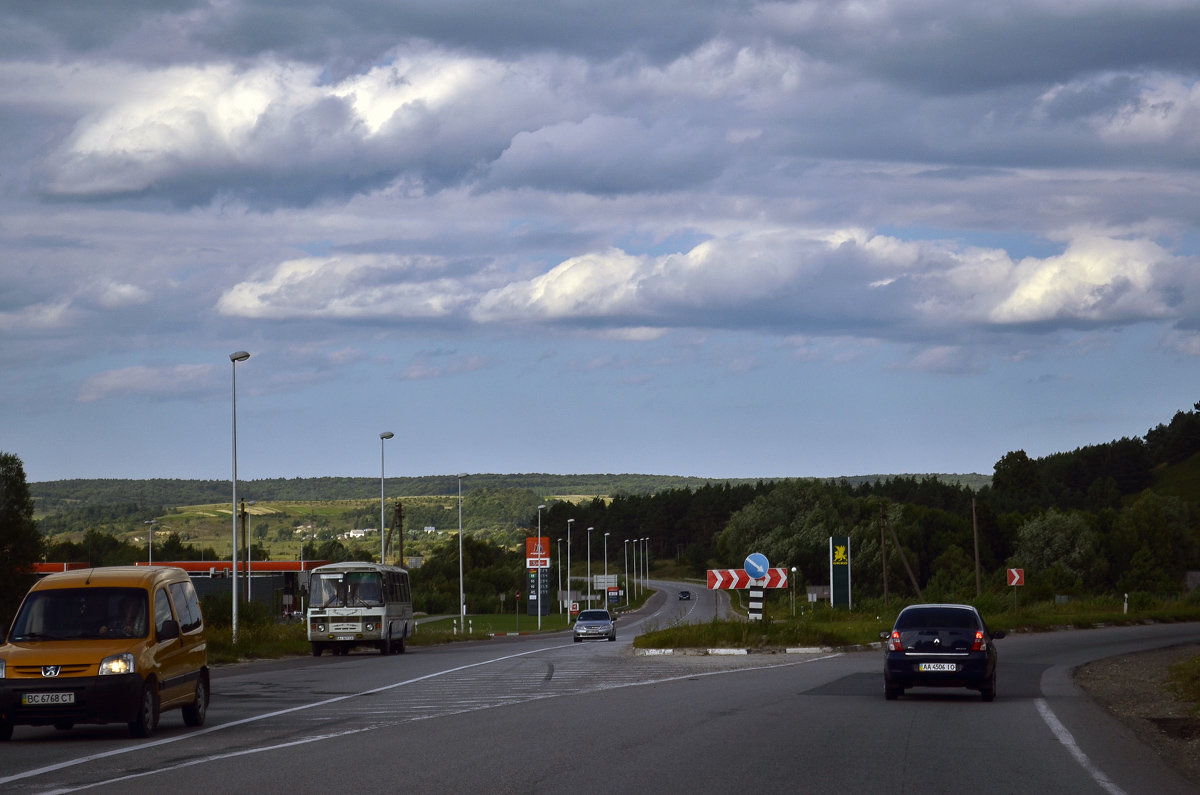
{"points": [[51, 670]]}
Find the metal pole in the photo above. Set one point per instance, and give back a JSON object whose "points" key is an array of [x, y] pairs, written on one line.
{"points": [[569, 521], [462, 594], [558, 542], [234, 358], [635, 566], [382, 534], [539, 571], [625, 549], [589, 557], [604, 599]]}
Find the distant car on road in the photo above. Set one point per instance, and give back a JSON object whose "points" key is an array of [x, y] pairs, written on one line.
{"points": [[685, 595], [595, 625], [940, 645]]}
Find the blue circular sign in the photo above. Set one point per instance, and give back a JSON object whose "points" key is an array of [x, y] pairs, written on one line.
{"points": [[757, 565]]}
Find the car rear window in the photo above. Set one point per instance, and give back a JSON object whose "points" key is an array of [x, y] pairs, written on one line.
{"points": [[941, 617]]}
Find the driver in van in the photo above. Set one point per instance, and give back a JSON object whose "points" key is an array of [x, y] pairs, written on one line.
{"points": [[132, 621]]}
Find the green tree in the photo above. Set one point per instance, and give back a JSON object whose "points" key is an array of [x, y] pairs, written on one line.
{"points": [[1063, 549], [20, 544]]}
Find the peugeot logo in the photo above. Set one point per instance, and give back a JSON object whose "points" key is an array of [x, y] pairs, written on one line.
{"points": [[51, 670]]}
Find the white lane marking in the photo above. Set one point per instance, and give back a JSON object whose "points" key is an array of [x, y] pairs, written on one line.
{"points": [[253, 718], [1068, 742], [302, 741]]}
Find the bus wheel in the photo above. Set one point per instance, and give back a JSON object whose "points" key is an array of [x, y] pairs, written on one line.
{"points": [[400, 645], [385, 646], [317, 649]]}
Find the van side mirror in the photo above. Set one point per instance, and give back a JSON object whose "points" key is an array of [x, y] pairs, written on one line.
{"points": [[169, 631]]}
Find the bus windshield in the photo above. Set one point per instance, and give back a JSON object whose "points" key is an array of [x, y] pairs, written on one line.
{"points": [[347, 589]]}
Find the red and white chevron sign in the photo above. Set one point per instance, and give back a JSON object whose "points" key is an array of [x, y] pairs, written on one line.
{"points": [[735, 579]]}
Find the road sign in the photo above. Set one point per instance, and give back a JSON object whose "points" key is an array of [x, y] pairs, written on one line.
{"points": [[736, 579], [756, 565], [1016, 576]]}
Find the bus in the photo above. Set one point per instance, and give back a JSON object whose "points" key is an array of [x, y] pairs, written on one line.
{"points": [[359, 604]]}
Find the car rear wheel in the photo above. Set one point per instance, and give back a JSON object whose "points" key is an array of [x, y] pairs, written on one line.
{"points": [[194, 713], [147, 717], [988, 691], [5, 731], [64, 726], [892, 693]]}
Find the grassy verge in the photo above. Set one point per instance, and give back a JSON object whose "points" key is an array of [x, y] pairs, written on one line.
{"points": [[823, 626], [1185, 677]]}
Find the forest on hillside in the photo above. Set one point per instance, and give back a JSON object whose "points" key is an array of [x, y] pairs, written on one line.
{"points": [[1117, 517]]}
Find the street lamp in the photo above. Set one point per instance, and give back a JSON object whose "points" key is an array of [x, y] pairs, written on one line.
{"points": [[150, 541], [462, 594], [569, 521], [589, 557], [625, 549], [234, 358], [539, 571], [560, 599], [383, 536], [636, 570], [793, 591], [646, 560], [604, 599]]}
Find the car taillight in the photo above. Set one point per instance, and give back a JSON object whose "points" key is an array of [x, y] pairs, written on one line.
{"points": [[894, 644], [980, 644]]}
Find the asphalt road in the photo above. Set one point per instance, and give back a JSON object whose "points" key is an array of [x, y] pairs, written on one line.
{"points": [[542, 714]]}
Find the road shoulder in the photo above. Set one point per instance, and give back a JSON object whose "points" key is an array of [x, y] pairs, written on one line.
{"points": [[1135, 688]]}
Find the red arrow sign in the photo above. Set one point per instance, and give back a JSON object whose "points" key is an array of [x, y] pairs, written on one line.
{"points": [[736, 579], [1016, 576]]}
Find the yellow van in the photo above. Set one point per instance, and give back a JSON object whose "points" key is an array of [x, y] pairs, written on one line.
{"points": [[106, 645]]}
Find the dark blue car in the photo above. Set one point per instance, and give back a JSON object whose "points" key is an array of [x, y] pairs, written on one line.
{"points": [[936, 645]]}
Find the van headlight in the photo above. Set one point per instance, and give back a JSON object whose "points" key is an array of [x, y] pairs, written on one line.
{"points": [[117, 664]]}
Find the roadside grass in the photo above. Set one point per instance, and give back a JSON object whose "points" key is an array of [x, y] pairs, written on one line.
{"points": [[1185, 678], [821, 625]]}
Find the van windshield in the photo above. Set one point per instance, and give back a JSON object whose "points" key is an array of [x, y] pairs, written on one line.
{"points": [[81, 614], [347, 589]]}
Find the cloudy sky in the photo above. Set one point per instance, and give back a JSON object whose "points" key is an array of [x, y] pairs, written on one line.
{"points": [[690, 237]]}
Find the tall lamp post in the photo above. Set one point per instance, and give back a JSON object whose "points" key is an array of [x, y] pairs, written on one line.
{"points": [[569, 522], [540, 552], [636, 570], [625, 549], [383, 437], [234, 358], [604, 601], [462, 593], [645, 560], [589, 558], [560, 599], [150, 541]]}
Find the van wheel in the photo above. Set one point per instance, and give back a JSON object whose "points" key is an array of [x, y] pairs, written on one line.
{"points": [[5, 731], [147, 717], [193, 714], [317, 649]]}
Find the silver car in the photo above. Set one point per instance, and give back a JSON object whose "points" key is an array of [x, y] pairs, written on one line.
{"points": [[595, 625]]}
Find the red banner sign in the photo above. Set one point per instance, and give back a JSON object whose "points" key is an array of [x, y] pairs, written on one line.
{"points": [[736, 579]]}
